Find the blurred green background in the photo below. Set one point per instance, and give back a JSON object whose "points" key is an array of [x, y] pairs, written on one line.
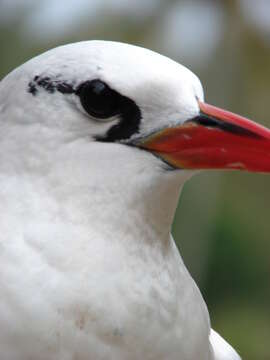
{"points": [[222, 225]]}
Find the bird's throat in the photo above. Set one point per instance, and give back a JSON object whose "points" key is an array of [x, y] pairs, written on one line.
{"points": [[113, 195]]}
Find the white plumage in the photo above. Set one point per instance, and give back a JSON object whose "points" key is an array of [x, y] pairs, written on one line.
{"points": [[88, 269]]}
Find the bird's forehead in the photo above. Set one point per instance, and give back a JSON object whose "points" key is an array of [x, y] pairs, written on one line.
{"points": [[126, 68]]}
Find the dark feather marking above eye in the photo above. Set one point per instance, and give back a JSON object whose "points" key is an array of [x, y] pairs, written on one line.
{"points": [[130, 113], [32, 88], [65, 88], [50, 85], [47, 84]]}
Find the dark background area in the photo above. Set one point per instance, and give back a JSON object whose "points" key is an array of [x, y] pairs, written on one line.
{"points": [[222, 225]]}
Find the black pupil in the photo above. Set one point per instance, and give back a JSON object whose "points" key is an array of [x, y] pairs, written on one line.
{"points": [[98, 99]]}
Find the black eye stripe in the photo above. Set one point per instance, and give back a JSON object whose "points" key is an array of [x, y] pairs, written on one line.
{"points": [[126, 109], [129, 124], [100, 101]]}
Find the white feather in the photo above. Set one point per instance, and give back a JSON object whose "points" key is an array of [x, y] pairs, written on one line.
{"points": [[222, 350], [88, 269]]}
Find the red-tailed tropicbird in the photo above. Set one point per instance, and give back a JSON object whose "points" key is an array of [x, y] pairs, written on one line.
{"points": [[97, 139]]}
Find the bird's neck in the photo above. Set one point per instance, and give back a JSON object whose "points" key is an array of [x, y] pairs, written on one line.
{"points": [[113, 189], [122, 192]]}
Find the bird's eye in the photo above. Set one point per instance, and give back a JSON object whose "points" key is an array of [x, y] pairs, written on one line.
{"points": [[98, 99]]}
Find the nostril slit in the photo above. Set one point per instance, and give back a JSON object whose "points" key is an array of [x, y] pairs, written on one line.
{"points": [[211, 122]]}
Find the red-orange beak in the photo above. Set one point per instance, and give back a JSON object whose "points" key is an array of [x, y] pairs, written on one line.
{"points": [[215, 139]]}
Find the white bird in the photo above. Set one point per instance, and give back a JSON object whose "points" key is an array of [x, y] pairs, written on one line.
{"points": [[97, 139]]}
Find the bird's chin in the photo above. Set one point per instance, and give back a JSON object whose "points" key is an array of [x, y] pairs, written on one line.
{"points": [[177, 171]]}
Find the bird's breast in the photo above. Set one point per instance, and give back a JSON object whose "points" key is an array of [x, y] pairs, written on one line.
{"points": [[106, 301]]}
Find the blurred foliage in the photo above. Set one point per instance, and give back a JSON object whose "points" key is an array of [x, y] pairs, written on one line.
{"points": [[222, 225]]}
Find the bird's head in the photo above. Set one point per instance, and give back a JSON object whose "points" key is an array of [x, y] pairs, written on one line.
{"points": [[131, 98]]}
